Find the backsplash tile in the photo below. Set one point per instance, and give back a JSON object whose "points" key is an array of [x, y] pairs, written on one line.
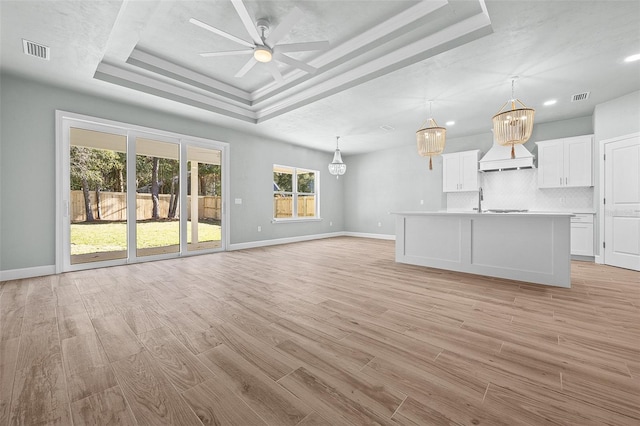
{"points": [[518, 189]]}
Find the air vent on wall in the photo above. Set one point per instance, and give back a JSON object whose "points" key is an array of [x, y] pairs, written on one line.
{"points": [[34, 49], [580, 97]]}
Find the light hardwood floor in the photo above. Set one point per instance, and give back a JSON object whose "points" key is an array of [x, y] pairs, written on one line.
{"points": [[326, 332]]}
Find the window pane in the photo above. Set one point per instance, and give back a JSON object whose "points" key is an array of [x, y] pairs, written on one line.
{"points": [[306, 181], [282, 206], [306, 205], [282, 179]]}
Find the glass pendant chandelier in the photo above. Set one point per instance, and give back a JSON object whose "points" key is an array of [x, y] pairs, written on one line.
{"points": [[337, 167], [513, 126], [430, 139]]}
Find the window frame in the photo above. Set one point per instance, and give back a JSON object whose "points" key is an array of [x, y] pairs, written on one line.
{"points": [[295, 194]]}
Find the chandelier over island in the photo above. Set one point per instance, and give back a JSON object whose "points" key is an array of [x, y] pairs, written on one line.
{"points": [[513, 126], [430, 139]]}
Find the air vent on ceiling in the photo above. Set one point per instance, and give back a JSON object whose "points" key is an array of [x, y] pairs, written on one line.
{"points": [[387, 128], [34, 49], [580, 97]]}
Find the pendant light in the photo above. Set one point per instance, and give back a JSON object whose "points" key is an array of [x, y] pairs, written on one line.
{"points": [[337, 167], [513, 126], [430, 139]]}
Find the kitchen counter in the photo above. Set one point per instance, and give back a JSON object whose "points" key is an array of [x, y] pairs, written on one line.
{"points": [[523, 246]]}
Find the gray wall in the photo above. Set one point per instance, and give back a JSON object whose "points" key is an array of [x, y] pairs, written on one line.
{"points": [[618, 117], [27, 170], [398, 179]]}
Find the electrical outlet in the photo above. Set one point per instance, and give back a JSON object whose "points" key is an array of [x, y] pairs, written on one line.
{"points": [[421, 202], [379, 224], [330, 223], [259, 228], [238, 200]]}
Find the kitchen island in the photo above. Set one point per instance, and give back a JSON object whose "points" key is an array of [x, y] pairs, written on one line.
{"points": [[532, 247]]}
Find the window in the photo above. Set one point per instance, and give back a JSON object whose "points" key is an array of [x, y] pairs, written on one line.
{"points": [[295, 193]]}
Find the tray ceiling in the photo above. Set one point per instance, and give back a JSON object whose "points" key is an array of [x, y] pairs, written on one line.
{"points": [[161, 55]]}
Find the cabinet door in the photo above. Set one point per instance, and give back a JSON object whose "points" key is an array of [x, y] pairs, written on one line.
{"points": [[469, 171], [550, 164], [451, 173], [582, 239], [577, 161]]}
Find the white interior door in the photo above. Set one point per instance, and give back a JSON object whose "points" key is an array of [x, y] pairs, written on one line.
{"points": [[622, 203]]}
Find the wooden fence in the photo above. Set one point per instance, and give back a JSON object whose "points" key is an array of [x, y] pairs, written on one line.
{"points": [[113, 206], [283, 206]]}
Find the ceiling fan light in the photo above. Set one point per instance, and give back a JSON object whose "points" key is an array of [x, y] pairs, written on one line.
{"points": [[262, 54]]}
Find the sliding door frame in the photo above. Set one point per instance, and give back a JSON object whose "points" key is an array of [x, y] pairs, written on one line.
{"points": [[64, 121]]}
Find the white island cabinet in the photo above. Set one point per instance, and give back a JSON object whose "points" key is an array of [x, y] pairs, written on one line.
{"points": [[531, 247]]}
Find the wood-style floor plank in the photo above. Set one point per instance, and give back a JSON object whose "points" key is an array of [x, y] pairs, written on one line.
{"points": [[40, 395], [152, 398], [324, 332], [107, 408], [214, 404], [272, 403], [86, 365], [8, 360], [181, 367]]}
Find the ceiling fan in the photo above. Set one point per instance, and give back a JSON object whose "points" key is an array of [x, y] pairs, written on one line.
{"points": [[264, 45]]}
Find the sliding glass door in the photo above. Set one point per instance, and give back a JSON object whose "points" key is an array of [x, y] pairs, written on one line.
{"points": [[157, 190], [97, 195], [130, 194], [204, 198]]}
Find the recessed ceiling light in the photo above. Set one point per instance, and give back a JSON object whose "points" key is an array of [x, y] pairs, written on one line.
{"points": [[450, 123], [632, 58], [550, 102]]}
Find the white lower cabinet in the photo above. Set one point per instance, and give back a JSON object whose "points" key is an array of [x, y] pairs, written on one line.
{"points": [[582, 235]]}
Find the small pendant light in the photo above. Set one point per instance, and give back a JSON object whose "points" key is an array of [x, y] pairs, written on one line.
{"points": [[337, 167]]}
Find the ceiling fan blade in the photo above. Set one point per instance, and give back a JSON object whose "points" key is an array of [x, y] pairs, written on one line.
{"points": [[247, 21], [302, 47], [284, 27], [226, 53], [245, 69], [294, 63], [220, 32], [275, 72]]}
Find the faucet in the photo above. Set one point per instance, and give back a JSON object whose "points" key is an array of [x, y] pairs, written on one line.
{"points": [[480, 198]]}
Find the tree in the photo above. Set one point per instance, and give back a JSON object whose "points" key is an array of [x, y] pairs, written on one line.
{"points": [[155, 188], [91, 167]]}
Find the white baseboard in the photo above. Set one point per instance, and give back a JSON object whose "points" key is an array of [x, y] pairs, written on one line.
{"points": [[265, 243], [368, 235], [18, 274], [39, 271], [599, 260]]}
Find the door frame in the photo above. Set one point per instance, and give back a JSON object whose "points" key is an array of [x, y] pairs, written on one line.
{"points": [[601, 182], [64, 120]]}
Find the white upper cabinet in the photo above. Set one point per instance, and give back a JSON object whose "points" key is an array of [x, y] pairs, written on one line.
{"points": [[565, 162], [460, 171]]}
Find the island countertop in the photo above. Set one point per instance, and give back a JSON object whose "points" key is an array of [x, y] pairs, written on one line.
{"points": [[475, 214]]}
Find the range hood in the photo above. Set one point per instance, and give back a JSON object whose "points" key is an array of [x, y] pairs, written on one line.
{"points": [[499, 158]]}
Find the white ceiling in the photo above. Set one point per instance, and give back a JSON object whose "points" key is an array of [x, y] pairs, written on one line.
{"points": [[386, 59]]}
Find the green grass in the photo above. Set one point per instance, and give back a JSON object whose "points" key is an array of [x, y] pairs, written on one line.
{"points": [[99, 237]]}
